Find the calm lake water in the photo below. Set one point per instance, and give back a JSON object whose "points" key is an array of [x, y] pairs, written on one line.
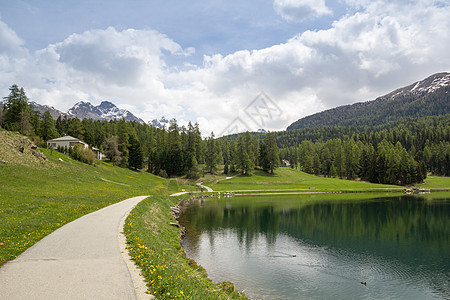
{"points": [[324, 246]]}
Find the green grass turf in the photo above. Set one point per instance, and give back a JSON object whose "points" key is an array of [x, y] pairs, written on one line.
{"points": [[287, 179]]}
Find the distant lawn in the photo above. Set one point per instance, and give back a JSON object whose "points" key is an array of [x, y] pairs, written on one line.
{"points": [[436, 183], [295, 180]]}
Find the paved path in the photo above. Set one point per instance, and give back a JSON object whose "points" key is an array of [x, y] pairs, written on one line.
{"points": [[81, 260], [208, 189], [178, 194]]}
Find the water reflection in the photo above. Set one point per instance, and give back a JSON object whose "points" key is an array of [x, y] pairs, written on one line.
{"points": [[289, 246]]}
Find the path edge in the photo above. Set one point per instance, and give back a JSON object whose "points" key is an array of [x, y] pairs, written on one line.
{"points": [[140, 286]]}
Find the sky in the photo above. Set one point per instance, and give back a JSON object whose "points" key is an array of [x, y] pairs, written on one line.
{"points": [[228, 65]]}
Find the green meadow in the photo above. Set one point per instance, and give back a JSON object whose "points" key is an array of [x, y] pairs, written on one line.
{"points": [[39, 196], [287, 179]]}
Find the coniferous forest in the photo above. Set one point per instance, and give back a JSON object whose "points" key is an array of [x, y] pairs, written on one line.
{"points": [[399, 152]]}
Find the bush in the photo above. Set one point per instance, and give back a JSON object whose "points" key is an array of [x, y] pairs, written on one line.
{"points": [[163, 173], [193, 174], [38, 141], [85, 155]]}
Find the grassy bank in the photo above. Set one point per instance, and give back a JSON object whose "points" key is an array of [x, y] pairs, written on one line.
{"points": [[156, 249]]}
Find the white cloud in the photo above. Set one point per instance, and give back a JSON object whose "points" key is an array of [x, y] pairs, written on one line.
{"points": [[366, 53], [300, 10]]}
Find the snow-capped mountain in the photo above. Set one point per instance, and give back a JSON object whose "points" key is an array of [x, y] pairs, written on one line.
{"points": [[428, 97], [104, 111], [159, 123], [43, 108], [427, 86]]}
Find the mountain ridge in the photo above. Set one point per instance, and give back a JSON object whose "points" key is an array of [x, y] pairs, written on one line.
{"points": [[105, 111], [420, 99]]}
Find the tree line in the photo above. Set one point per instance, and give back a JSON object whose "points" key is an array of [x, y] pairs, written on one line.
{"points": [[172, 151], [424, 142], [397, 153]]}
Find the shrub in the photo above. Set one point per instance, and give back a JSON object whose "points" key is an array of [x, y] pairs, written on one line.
{"points": [[85, 155], [163, 173]]}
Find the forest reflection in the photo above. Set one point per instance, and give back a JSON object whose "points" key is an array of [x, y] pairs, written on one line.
{"points": [[391, 226]]}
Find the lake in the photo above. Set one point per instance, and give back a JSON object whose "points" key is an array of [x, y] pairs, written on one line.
{"points": [[345, 246]]}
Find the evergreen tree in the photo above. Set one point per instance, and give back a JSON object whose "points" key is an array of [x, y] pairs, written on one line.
{"points": [[174, 165], [1, 116], [252, 149], [24, 124], [47, 129], [123, 133], [16, 113], [225, 169], [135, 152], [272, 159], [212, 154], [75, 128], [242, 157]]}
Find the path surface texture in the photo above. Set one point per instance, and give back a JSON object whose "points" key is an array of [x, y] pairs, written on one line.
{"points": [[208, 189], [81, 260]]}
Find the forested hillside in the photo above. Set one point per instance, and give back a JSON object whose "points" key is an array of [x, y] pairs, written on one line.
{"points": [[429, 97], [395, 153], [380, 154]]}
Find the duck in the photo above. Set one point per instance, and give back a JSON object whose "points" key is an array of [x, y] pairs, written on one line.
{"points": [[365, 283]]}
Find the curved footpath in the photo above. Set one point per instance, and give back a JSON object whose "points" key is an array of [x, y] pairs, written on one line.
{"points": [[208, 189], [81, 260]]}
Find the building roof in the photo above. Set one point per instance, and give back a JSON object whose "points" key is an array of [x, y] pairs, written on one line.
{"points": [[67, 138]]}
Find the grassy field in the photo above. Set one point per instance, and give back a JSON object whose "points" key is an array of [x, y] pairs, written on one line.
{"points": [[287, 179], [436, 183], [36, 199]]}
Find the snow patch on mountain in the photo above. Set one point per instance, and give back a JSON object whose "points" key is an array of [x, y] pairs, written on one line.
{"points": [[428, 85], [105, 111]]}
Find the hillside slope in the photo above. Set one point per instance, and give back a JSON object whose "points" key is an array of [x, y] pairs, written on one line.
{"points": [[40, 191], [428, 97]]}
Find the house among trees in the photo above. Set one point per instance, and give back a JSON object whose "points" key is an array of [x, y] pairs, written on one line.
{"points": [[68, 141], [98, 153], [65, 141]]}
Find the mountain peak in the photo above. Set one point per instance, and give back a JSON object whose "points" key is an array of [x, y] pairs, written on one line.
{"points": [[105, 111], [107, 105], [428, 85], [427, 97]]}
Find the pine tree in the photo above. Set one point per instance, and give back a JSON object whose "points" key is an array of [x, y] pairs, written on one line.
{"points": [[136, 154], [252, 149], [225, 169], [123, 133], [75, 128], [47, 129], [175, 162], [242, 158], [212, 154], [16, 113], [272, 157]]}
